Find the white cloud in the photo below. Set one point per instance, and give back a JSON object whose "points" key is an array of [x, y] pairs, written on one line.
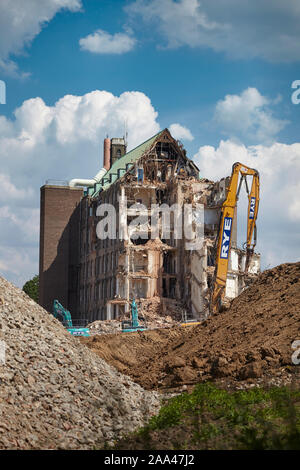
{"points": [[32, 145], [21, 22], [61, 142], [102, 42], [64, 141], [19, 235], [180, 132], [10, 192], [257, 28], [16, 265], [248, 116], [279, 212]]}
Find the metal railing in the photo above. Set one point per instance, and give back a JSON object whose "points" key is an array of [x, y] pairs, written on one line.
{"points": [[57, 183]]}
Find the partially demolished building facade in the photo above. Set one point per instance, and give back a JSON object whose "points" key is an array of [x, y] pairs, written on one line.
{"points": [[95, 264]]}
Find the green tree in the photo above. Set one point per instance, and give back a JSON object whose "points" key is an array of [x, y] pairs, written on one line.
{"points": [[31, 288]]}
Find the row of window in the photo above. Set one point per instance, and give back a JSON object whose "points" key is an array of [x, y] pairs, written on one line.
{"points": [[101, 265], [101, 291], [92, 244], [100, 313]]}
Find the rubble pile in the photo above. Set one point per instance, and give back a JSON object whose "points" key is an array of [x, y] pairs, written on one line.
{"points": [[152, 314], [160, 313], [54, 392], [104, 327]]}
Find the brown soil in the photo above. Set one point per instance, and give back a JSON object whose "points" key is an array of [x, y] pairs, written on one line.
{"points": [[249, 342]]}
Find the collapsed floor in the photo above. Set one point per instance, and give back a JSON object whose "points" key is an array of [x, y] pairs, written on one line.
{"points": [[251, 342]]}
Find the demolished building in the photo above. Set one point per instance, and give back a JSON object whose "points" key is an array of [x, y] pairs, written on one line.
{"points": [[95, 266]]}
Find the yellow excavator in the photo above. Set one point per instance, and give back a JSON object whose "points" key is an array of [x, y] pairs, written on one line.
{"points": [[225, 229]]}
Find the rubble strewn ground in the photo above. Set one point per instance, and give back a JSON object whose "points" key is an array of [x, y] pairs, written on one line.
{"points": [[54, 392], [250, 343], [104, 327], [152, 314]]}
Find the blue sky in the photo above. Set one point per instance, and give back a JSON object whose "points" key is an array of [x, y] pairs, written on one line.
{"points": [[183, 84], [222, 72]]}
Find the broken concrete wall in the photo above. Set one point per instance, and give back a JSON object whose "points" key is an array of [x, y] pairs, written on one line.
{"points": [[237, 279]]}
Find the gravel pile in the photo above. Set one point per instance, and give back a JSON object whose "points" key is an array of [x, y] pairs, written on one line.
{"points": [[54, 392]]}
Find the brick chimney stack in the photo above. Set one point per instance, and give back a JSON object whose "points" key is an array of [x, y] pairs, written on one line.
{"points": [[106, 153]]}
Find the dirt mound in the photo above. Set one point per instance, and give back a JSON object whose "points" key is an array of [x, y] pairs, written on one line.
{"points": [[54, 392], [250, 341]]}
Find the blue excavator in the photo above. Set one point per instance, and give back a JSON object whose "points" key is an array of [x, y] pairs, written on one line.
{"points": [[60, 312], [129, 326]]}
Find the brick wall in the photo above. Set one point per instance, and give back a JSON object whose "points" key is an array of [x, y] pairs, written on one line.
{"points": [[59, 246]]}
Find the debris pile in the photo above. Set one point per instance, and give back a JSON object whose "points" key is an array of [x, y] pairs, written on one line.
{"points": [[104, 327], [160, 313], [152, 313], [251, 342], [54, 392]]}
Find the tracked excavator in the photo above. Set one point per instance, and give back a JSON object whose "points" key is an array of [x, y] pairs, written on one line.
{"points": [[130, 326], [239, 175], [64, 315]]}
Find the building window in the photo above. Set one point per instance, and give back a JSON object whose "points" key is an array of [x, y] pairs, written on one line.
{"points": [[140, 175]]}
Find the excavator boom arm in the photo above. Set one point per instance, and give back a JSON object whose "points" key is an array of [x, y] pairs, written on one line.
{"points": [[59, 310], [226, 224], [252, 211]]}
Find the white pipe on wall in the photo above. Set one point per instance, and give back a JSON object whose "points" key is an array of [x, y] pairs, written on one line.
{"points": [[86, 182]]}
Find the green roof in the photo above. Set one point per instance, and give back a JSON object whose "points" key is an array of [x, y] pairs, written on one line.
{"points": [[121, 163]]}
